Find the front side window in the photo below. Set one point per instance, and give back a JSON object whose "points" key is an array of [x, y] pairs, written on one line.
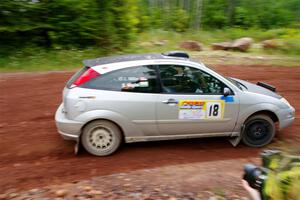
{"points": [[184, 79], [133, 79]]}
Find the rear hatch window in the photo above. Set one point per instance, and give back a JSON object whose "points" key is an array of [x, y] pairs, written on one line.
{"points": [[75, 76]]}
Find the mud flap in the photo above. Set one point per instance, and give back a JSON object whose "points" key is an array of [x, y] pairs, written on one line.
{"points": [[77, 148], [235, 140]]}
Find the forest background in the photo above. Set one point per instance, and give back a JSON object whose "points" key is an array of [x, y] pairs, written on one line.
{"points": [[59, 34]]}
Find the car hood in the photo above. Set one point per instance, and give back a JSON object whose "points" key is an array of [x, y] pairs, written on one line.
{"points": [[258, 89]]}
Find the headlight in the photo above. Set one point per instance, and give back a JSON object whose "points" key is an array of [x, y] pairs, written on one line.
{"points": [[285, 101]]}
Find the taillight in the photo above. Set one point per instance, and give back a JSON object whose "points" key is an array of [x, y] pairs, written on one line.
{"points": [[85, 77]]}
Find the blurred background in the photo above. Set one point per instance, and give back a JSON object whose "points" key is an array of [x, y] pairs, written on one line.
{"points": [[59, 34]]}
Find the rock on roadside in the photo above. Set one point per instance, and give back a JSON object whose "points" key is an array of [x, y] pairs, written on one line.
{"points": [[242, 44], [221, 46], [191, 45], [270, 44]]}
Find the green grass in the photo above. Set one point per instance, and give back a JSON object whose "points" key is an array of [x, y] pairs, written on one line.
{"points": [[47, 60], [36, 59]]}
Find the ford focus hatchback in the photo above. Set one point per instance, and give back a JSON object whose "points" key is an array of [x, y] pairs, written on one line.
{"points": [[149, 97]]}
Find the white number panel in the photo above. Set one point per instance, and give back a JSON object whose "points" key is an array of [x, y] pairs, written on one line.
{"points": [[201, 109], [214, 110]]}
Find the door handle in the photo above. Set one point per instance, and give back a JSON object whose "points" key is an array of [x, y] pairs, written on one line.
{"points": [[170, 101]]}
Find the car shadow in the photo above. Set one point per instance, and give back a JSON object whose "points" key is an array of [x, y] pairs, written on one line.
{"points": [[157, 153]]}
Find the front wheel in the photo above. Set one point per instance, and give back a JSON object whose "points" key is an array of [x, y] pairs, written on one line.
{"points": [[259, 131], [101, 137]]}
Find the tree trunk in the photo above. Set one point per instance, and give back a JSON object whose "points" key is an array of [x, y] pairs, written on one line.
{"points": [[198, 15], [230, 11]]}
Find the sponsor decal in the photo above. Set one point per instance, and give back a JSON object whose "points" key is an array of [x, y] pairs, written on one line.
{"points": [[201, 109]]}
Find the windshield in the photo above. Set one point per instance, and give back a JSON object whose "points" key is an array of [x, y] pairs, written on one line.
{"points": [[234, 82], [237, 84]]}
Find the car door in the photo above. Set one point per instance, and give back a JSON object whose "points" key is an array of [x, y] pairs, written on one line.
{"points": [[130, 92], [192, 102]]}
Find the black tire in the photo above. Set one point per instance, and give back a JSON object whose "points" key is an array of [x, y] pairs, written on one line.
{"points": [[101, 137], [259, 131]]}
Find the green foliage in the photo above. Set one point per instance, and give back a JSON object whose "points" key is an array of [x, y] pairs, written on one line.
{"points": [[113, 25], [283, 179], [144, 23], [125, 20], [77, 26], [67, 23], [242, 17], [215, 12], [179, 20]]}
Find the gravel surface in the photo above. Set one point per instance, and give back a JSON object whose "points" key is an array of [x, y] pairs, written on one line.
{"points": [[33, 155], [183, 181]]}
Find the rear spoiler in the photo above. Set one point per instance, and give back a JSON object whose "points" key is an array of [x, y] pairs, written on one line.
{"points": [[267, 86]]}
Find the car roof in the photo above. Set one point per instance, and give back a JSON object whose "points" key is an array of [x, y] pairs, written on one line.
{"points": [[130, 57]]}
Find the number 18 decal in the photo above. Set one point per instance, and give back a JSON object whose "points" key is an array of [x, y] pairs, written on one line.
{"points": [[214, 110], [201, 109]]}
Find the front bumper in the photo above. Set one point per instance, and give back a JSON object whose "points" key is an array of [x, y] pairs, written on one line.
{"points": [[286, 117], [68, 129]]}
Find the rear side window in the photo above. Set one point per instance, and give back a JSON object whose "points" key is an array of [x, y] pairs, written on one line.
{"points": [[75, 76], [133, 79]]}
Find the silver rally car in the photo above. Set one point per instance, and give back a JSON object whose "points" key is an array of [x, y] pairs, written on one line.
{"points": [[147, 97]]}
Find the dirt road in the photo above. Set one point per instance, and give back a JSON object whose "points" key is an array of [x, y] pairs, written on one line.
{"points": [[33, 154]]}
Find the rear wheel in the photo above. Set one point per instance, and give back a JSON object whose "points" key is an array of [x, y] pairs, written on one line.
{"points": [[259, 131], [101, 137]]}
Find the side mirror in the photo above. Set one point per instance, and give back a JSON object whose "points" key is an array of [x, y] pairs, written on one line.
{"points": [[226, 92]]}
